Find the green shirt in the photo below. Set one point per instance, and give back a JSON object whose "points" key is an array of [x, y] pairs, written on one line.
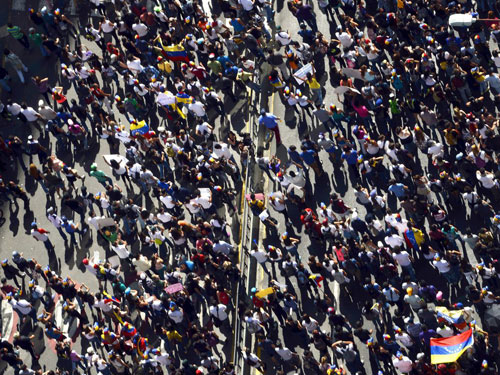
{"points": [[15, 31], [100, 175], [215, 66], [36, 38]]}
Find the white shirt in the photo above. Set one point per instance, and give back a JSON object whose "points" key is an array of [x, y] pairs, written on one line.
{"points": [[39, 236], [442, 265], [311, 326], [404, 339], [197, 108], [283, 38], [403, 258], [164, 217], [105, 307], [223, 152], [488, 180], [219, 311], [107, 26], [140, 29], [344, 38], [494, 81], [23, 306], [55, 220], [30, 114], [135, 66], [204, 129], [403, 365], [259, 255], [285, 353], [14, 109], [168, 201], [246, 4], [394, 240], [176, 315]]}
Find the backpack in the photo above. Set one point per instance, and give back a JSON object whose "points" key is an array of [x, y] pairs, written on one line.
{"points": [[436, 186], [302, 277]]}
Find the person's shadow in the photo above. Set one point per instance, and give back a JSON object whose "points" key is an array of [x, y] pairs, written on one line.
{"points": [[14, 221]]}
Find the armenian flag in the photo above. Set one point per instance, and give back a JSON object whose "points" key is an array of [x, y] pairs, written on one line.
{"points": [[449, 349], [176, 52], [137, 128]]}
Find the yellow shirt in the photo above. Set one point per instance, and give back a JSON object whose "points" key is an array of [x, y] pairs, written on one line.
{"points": [[313, 83], [165, 66]]}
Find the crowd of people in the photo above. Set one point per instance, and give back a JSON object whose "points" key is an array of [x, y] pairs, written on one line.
{"points": [[414, 129]]}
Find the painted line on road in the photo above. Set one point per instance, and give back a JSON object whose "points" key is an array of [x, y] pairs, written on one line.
{"points": [[243, 189], [19, 5], [336, 294], [9, 321]]}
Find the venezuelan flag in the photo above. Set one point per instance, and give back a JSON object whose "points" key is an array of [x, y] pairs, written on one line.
{"points": [[176, 52], [137, 128], [449, 349], [184, 98], [451, 316], [275, 82]]}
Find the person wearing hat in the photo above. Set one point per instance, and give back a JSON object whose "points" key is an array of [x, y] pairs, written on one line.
{"points": [[402, 363], [71, 228], [101, 177], [41, 234], [10, 272]]}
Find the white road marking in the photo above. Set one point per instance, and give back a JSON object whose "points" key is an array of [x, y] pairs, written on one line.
{"points": [[19, 5], [7, 319], [3, 31], [336, 294]]}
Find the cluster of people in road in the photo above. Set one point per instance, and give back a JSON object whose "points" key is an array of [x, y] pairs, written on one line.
{"points": [[412, 134]]}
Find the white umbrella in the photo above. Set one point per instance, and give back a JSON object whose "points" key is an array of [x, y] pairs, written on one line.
{"points": [[461, 20], [464, 20]]}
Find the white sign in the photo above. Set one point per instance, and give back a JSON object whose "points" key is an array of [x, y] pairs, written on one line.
{"points": [[302, 73]]}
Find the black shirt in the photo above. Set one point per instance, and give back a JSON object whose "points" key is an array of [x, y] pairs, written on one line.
{"points": [[23, 342], [50, 44], [114, 195]]}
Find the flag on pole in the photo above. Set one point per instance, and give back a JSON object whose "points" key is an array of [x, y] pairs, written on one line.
{"points": [[176, 52], [449, 349]]}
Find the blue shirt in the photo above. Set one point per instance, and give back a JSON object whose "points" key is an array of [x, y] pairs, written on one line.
{"points": [[69, 226], [224, 60], [308, 156], [398, 189], [269, 121], [295, 156], [351, 158]]}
